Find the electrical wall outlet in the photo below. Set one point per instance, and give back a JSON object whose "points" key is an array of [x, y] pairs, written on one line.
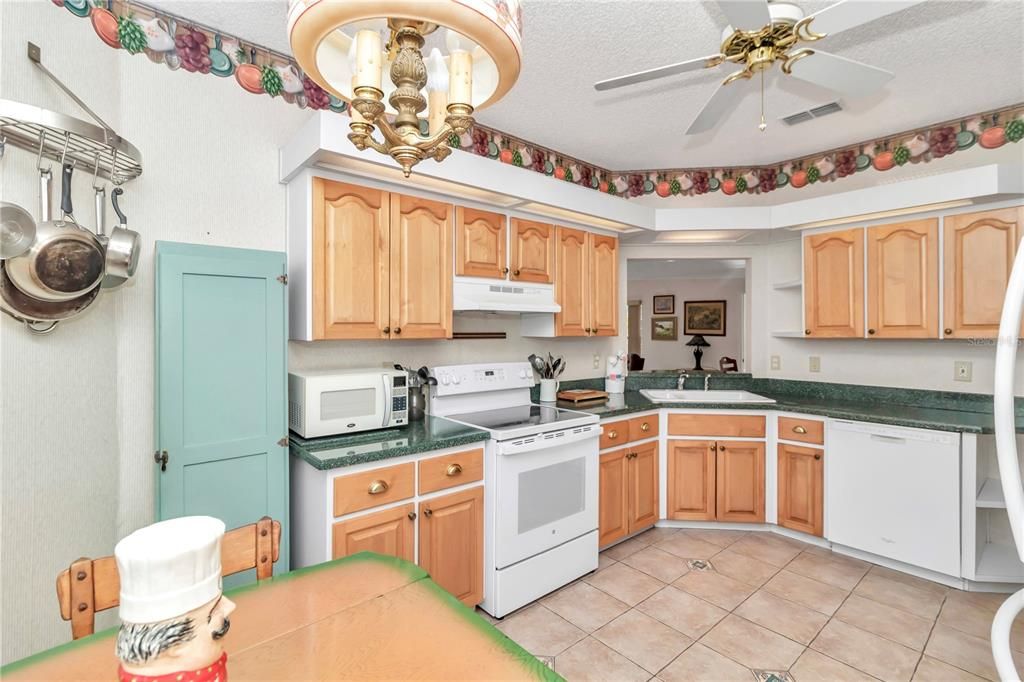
{"points": [[776, 362], [963, 370], [597, 361], [814, 363]]}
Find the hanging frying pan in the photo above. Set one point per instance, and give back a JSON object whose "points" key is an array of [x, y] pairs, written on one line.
{"points": [[39, 316], [66, 261]]}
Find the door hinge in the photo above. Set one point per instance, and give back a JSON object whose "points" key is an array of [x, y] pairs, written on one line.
{"points": [[283, 442], [160, 457], [283, 279]]}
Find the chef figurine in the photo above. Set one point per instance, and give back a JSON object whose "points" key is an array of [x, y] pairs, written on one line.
{"points": [[173, 614]]}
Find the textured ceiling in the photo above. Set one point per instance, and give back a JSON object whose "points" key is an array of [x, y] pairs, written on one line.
{"points": [[951, 58]]}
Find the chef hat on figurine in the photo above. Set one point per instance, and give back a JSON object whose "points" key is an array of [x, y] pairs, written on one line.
{"points": [[169, 568]]}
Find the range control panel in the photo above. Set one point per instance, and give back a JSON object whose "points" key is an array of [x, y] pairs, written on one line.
{"points": [[499, 376]]}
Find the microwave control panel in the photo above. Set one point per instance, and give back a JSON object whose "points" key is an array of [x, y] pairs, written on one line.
{"points": [[399, 400]]}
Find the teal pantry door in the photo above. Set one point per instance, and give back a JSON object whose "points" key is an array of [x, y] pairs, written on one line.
{"points": [[220, 396]]}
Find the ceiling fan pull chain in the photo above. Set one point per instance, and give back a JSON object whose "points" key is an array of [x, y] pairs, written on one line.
{"points": [[763, 124]]}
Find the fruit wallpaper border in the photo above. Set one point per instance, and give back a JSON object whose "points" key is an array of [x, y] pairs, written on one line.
{"points": [[182, 44]]}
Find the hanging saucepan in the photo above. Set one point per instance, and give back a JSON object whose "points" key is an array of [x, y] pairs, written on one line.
{"points": [[122, 246], [17, 230], [65, 262]]}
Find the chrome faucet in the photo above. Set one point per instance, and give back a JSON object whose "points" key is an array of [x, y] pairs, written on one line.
{"points": [[707, 380], [681, 381]]}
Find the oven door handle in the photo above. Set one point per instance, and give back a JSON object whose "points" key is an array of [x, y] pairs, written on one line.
{"points": [[550, 439]]}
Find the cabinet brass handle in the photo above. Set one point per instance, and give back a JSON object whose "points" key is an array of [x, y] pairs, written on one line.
{"points": [[817, 456], [947, 331], [613, 434], [871, 331], [398, 330], [412, 516], [799, 429], [515, 273], [645, 427], [428, 513], [386, 330], [807, 332], [378, 487], [453, 469]]}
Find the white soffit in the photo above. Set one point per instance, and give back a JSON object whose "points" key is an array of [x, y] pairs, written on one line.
{"points": [[322, 142]]}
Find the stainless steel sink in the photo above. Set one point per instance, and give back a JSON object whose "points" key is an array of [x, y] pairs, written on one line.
{"points": [[698, 396]]}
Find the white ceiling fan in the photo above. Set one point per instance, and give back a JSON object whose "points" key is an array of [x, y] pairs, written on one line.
{"points": [[762, 32]]}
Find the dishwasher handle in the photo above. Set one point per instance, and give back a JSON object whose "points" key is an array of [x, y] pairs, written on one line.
{"points": [[895, 440]]}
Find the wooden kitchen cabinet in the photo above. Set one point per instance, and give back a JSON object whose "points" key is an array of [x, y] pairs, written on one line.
{"points": [[480, 243], [642, 465], [740, 481], [451, 543], [691, 480], [586, 283], [834, 284], [978, 252], [903, 280], [389, 532], [532, 252], [612, 496], [381, 264], [801, 488]]}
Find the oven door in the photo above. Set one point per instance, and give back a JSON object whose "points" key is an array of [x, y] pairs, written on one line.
{"points": [[546, 491], [343, 404]]}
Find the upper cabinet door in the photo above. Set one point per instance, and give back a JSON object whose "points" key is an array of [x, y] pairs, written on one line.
{"points": [[421, 268], [480, 243], [834, 284], [978, 252], [533, 251], [572, 282], [350, 261], [604, 286], [903, 280]]}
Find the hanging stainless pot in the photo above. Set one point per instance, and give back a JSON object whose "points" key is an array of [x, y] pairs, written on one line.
{"points": [[17, 230], [66, 261], [122, 256]]}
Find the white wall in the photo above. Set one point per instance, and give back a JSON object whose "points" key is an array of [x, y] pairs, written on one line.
{"points": [[675, 354]]}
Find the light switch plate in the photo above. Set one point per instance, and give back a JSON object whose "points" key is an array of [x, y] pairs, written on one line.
{"points": [[963, 370], [814, 363], [776, 362], [597, 361]]}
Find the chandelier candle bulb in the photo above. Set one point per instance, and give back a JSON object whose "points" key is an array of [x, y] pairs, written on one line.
{"points": [[369, 59], [460, 88], [437, 91]]}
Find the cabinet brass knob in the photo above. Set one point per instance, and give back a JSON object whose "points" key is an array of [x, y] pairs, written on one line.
{"points": [[947, 331], [721, 448], [412, 516], [428, 513], [398, 330], [645, 427], [386, 330], [378, 487], [504, 271], [714, 447], [871, 331], [807, 332], [515, 273], [453, 469], [817, 456], [613, 434], [799, 429]]}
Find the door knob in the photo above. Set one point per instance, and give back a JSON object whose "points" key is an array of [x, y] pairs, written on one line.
{"points": [[398, 330], [613, 434], [807, 332], [817, 456], [714, 447], [428, 513], [947, 331], [504, 271], [645, 427], [386, 330], [515, 273], [412, 516], [871, 331]]}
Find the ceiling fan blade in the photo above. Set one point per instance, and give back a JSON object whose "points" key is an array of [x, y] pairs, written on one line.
{"points": [[747, 15], [659, 72], [847, 14], [722, 101], [842, 75]]}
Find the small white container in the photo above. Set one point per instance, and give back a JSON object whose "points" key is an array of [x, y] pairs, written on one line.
{"points": [[615, 385], [548, 390]]}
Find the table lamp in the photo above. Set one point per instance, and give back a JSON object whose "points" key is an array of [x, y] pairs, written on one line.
{"points": [[698, 343]]}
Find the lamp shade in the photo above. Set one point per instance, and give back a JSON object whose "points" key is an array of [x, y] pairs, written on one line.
{"points": [[321, 33], [698, 340]]}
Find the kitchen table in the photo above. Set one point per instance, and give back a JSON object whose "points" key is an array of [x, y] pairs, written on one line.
{"points": [[362, 617]]}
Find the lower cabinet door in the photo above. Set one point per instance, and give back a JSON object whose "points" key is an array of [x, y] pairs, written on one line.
{"points": [[452, 543], [612, 496], [390, 532], [801, 488], [643, 487], [691, 480], [740, 478]]}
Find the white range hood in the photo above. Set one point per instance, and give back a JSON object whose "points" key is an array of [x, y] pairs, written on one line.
{"points": [[503, 297]]}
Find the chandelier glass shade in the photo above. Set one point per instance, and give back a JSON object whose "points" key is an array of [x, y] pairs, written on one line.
{"points": [[400, 62]]}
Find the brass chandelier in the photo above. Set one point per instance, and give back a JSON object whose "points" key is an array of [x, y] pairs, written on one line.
{"points": [[340, 46]]}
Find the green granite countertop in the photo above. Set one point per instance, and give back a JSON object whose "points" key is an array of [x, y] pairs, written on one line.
{"points": [[433, 433], [881, 412]]}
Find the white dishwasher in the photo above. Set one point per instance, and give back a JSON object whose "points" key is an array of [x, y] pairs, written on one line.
{"points": [[895, 492]]}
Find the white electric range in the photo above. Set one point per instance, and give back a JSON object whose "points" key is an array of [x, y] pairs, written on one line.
{"points": [[540, 481]]}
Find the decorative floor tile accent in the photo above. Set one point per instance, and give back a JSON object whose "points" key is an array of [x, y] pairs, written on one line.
{"points": [[772, 676], [699, 565]]}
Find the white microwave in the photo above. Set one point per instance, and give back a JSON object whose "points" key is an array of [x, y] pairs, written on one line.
{"points": [[337, 401]]}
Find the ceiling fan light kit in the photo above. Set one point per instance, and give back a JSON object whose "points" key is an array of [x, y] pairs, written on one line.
{"points": [[339, 45], [783, 27]]}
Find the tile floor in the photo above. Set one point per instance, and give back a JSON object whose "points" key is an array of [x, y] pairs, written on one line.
{"points": [[767, 604]]}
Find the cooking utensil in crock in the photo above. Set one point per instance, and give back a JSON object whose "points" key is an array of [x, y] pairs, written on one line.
{"points": [[66, 261], [122, 255], [17, 230]]}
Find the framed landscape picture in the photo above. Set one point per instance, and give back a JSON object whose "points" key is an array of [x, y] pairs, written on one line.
{"points": [[665, 304], [664, 328], [706, 318]]}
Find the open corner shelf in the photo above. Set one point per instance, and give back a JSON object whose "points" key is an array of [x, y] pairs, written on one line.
{"points": [[997, 563], [791, 284], [991, 495]]}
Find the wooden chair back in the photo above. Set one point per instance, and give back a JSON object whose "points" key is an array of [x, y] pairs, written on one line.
{"points": [[727, 364], [92, 585], [636, 363]]}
